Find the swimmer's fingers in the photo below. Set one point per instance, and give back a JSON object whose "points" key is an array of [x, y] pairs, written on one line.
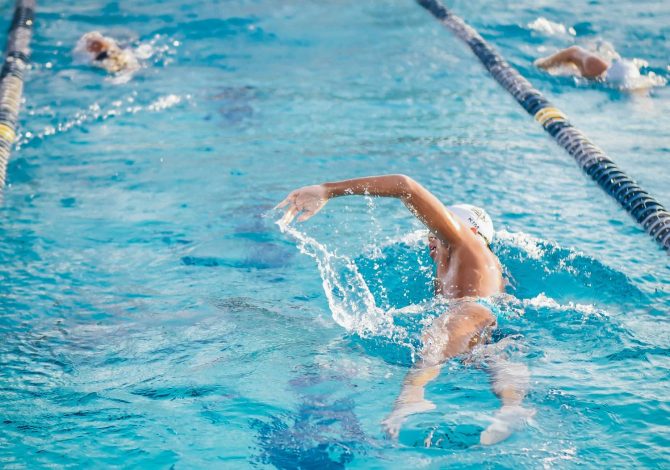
{"points": [[289, 216], [308, 200]]}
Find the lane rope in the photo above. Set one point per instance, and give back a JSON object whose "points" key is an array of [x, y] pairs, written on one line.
{"points": [[648, 212], [17, 59]]}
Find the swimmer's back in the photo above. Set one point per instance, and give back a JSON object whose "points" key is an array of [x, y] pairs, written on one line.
{"points": [[472, 270]]}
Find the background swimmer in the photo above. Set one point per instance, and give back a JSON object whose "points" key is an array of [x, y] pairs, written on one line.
{"points": [[587, 63], [104, 52], [620, 73]]}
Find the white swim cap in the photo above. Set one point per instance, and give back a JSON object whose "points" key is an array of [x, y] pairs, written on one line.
{"points": [[475, 217], [622, 73]]}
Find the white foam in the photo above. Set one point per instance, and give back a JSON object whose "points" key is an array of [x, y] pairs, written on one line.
{"points": [[542, 301], [567, 454], [164, 102], [640, 82], [528, 243], [510, 306], [543, 25], [95, 112], [159, 49], [633, 83], [144, 51]]}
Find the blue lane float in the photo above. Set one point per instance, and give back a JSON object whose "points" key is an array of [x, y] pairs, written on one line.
{"points": [[17, 59], [649, 213]]}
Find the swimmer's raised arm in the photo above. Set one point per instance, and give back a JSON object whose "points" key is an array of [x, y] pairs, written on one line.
{"points": [[588, 63], [422, 203]]}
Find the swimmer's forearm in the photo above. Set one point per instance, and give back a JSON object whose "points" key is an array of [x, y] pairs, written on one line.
{"points": [[398, 186], [570, 55], [421, 202]]}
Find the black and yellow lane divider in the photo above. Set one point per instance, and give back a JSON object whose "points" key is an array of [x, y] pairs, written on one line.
{"points": [[17, 58]]}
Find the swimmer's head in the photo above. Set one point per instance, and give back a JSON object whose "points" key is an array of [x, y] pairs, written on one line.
{"points": [[622, 73], [474, 218], [94, 42]]}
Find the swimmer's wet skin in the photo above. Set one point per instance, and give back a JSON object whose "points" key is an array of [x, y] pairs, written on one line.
{"points": [[466, 270]]}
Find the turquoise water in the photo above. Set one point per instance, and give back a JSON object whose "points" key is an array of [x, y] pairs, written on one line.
{"points": [[153, 315]]}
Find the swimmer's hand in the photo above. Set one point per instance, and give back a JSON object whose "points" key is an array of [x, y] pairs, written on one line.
{"points": [[308, 200], [542, 63]]}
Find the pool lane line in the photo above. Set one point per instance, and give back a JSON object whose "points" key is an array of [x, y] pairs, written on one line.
{"points": [[648, 212], [17, 59]]}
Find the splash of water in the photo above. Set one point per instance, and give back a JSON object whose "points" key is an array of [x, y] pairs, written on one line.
{"points": [[543, 25], [350, 300]]}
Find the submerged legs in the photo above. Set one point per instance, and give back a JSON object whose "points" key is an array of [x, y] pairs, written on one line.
{"points": [[509, 381], [453, 334]]}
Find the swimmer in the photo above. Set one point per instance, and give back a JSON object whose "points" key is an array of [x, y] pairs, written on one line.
{"points": [[105, 53], [620, 73], [467, 269], [588, 64]]}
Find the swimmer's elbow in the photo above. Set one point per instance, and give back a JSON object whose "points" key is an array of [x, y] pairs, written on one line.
{"points": [[594, 67], [401, 178], [406, 185]]}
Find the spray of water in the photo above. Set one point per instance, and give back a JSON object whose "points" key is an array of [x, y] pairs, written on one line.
{"points": [[351, 303]]}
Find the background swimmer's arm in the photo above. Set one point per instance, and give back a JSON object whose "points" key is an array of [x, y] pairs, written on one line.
{"points": [[421, 202], [588, 63], [559, 58]]}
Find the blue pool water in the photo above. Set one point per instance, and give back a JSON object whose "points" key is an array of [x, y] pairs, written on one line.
{"points": [[154, 316]]}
